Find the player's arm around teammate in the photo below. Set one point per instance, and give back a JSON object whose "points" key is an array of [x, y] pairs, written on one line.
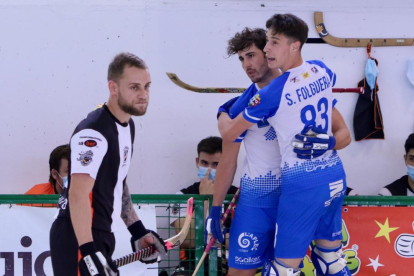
{"points": [[340, 130]]}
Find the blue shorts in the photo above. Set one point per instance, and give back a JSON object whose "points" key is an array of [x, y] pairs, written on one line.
{"points": [[314, 213], [252, 234]]}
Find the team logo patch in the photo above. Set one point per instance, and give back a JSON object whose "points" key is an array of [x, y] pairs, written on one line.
{"points": [[295, 79], [305, 75], [248, 241], [90, 143], [85, 158], [254, 101], [314, 70]]}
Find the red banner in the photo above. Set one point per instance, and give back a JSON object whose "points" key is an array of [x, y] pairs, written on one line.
{"points": [[376, 241]]}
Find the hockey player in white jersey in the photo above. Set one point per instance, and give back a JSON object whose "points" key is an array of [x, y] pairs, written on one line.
{"points": [[260, 184]]}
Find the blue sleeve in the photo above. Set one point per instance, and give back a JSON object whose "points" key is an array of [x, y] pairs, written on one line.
{"points": [[242, 101], [332, 75], [266, 102], [240, 105]]}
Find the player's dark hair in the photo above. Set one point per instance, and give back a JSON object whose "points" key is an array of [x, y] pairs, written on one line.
{"points": [[210, 145], [55, 160], [409, 144], [289, 25], [245, 39], [118, 64]]}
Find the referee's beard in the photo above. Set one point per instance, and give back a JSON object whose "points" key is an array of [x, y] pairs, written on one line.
{"points": [[130, 108]]}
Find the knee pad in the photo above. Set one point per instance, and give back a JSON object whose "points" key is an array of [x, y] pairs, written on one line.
{"points": [[329, 262], [274, 268]]}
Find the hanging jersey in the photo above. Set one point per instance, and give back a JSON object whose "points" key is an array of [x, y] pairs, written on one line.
{"points": [[301, 96], [101, 147], [260, 182]]}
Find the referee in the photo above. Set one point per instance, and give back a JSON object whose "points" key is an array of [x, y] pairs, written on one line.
{"points": [[101, 149]]}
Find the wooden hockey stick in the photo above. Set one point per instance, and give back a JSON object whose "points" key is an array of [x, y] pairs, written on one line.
{"points": [[174, 78], [356, 42], [171, 243], [223, 219]]}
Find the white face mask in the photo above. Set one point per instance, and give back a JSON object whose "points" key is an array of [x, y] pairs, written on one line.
{"points": [[65, 181]]}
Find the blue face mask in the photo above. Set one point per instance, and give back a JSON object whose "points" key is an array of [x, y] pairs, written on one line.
{"points": [[371, 72], [410, 172], [203, 170]]}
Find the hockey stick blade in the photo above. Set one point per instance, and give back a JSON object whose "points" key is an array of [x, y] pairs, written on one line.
{"points": [[356, 42], [174, 78], [171, 243]]}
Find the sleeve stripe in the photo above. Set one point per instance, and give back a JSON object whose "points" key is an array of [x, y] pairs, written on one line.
{"points": [[252, 118]]}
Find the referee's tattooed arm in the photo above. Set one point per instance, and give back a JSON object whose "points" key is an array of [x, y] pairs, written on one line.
{"points": [[128, 214]]}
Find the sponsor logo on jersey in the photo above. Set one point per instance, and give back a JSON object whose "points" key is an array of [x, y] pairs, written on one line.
{"points": [[63, 202], [126, 149], [248, 241], [305, 75], [85, 158], [90, 143], [254, 101], [248, 260], [295, 79], [337, 189], [314, 70]]}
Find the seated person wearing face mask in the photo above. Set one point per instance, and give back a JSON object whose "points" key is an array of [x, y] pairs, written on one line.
{"points": [[58, 178], [405, 185], [209, 153]]}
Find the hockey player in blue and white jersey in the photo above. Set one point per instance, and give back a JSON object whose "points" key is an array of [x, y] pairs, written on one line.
{"points": [[251, 236]]}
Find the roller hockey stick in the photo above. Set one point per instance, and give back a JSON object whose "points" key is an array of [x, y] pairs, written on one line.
{"points": [[171, 243], [223, 219], [356, 42], [174, 78]]}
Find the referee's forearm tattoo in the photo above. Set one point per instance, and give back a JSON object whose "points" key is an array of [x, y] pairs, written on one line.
{"points": [[128, 214]]}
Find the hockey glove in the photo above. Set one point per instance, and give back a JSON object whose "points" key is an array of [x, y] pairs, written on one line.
{"points": [[214, 226], [142, 238], [312, 142], [226, 106], [95, 263]]}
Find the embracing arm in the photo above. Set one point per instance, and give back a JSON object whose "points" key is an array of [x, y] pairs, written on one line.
{"points": [[128, 214], [80, 206], [340, 130], [225, 171], [230, 129]]}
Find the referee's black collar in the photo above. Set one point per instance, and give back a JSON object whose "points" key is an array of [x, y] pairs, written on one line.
{"points": [[113, 117]]}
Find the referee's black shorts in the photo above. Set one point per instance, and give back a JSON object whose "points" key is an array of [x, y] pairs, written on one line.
{"points": [[64, 249]]}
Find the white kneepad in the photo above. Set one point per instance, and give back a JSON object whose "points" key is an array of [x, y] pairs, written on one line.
{"points": [[272, 268], [327, 262]]}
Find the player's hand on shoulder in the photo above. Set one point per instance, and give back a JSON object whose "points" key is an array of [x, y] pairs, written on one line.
{"points": [[207, 184], [214, 226], [143, 238], [312, 142], [226, 106], [94, 262]]}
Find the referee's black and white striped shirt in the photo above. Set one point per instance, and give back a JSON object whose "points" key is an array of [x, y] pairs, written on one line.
{"points": [[101, 146]]}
